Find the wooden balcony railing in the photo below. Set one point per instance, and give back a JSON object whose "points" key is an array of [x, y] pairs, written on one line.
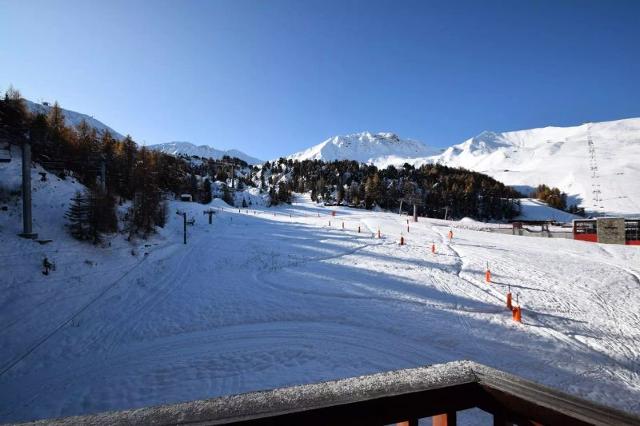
{"points": [[395, 397]]}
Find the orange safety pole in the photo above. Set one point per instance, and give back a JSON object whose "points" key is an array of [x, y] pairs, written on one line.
{"points": [[517, 314], [509, 305], [433, 248], [487, 276]]}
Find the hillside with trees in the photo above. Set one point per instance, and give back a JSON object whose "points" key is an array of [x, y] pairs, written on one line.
{"points": [[435, 190], [144, 179]]}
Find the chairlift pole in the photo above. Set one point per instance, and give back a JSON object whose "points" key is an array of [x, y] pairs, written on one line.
{"points": [[184, 217], [210, 212], [27, 229]]}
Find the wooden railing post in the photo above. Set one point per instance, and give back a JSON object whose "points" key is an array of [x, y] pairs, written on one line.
{"points": [[447, 419], [499, 419]]}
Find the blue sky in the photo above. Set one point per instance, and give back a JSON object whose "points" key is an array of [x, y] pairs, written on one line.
{"points": [[274, 77]]}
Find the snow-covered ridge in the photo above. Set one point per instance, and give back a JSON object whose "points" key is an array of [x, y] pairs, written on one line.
{"points": [[562, 157], [204, 151], [73, 118], [365, 147], [555, 156]]}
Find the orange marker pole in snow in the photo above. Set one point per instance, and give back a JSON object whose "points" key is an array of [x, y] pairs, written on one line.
{"points": [[517, 312], [433, 248], [509, 305], [401, 240], [487, 276]]}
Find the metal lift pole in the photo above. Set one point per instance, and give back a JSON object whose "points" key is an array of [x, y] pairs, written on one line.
{"points": [[184, 216], [27, 230]]}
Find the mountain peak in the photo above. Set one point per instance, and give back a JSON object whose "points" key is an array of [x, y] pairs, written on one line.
{"points": [[203, 151], [364, 147]]}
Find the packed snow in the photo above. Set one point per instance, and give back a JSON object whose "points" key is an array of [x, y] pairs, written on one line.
{"points": [[270, 297], [202, 151], [532, 209]]}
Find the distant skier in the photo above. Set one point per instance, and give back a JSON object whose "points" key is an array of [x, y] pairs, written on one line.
{"points": [[47, 266]]}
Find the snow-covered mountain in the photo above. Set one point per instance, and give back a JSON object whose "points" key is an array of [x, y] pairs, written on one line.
{"points": [[365, 147], [562, 157], [73, 118], [557, 156], [206, 151]]}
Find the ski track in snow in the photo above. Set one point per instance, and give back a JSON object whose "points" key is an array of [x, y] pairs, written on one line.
{"points": [[258, 300]]}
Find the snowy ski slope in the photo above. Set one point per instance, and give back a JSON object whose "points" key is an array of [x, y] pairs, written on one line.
{"points": [[560, 156], [277, 297]]}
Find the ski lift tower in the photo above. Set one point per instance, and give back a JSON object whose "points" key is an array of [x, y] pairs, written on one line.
{"points": [[27, 228]]}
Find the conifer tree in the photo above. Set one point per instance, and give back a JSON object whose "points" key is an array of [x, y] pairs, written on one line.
{"points": [[78, 216], [206, 191]]}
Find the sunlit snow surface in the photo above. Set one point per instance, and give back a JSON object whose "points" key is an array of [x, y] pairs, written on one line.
{"points": [[257, 301]]}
